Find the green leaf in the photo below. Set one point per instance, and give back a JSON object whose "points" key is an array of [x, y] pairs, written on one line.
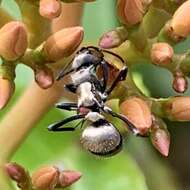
{"points": [[115, 173]]}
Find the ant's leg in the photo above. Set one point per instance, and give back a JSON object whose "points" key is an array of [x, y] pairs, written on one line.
{"points": [[67, 106], [121, 76], [71, 87], [131, 127], [58, 126]]}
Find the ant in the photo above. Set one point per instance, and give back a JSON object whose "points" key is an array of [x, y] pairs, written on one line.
{"points": [[101, 137]]}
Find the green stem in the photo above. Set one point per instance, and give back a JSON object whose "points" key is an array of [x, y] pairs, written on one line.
{"points": [[5, 182], [39, 27]]}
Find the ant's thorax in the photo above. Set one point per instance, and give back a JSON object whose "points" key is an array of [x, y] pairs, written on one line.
{"points": [[85, 95], [82, 75]]}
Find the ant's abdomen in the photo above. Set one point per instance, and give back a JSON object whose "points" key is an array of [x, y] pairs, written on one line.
{"points": [[102, 140]]}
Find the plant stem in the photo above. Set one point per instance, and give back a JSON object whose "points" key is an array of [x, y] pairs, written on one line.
{"points": [[5, 16]]}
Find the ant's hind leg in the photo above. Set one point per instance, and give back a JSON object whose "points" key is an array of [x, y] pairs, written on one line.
{"points": [[67, 106], [130, 125], [58, 126]]}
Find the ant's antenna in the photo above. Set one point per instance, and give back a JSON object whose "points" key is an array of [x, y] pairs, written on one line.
{"points": [[112, 53], [62, 72], [106, 51]]}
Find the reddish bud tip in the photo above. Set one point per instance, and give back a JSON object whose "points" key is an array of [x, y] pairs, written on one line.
{"points": [[44, 78], [50, 8], [16, 172], [110, 39], [161, 140], [180, 83], [68, 177]]}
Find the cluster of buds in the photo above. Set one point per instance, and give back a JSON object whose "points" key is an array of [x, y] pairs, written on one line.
{"points": [[138, 111], [145, 112], [45, 178], [13, 49]]}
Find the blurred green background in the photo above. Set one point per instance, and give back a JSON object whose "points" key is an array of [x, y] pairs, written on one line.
{"points": [[138, 166]]}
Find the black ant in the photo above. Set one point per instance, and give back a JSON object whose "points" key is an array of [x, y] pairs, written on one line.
{"points": [[101, 137]]}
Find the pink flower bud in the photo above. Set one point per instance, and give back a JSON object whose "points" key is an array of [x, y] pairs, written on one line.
{"points": [[161, 140], [45, 178], [113, 38], [138, 112], [161, 53], [68, 177], [180, 83], [13, 40], [178, 108], [131, 12], [6, 91], [50, 8], [63, 43], [16, 172], [44, 78]]}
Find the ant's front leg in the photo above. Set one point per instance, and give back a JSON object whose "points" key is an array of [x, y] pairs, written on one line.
{"points": [[71, 87], [58, 126], [67, 106], [120, 77]]}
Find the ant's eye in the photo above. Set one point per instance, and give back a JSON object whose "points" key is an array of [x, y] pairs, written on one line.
{"points": [[104, 140]]}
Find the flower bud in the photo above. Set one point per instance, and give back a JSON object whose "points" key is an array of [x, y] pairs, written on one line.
{"points": [[6, 91], [63, 43], [178, 108], [180, 23], [16, 172], [161, 53], [19, 175], [77, 1], [161, 140], [13, 40], [50, 8], [45, 178], [138, 112], [68, 177], [180, 83], [80, 1], [131, 12], [44, 78], [113, 38]]}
